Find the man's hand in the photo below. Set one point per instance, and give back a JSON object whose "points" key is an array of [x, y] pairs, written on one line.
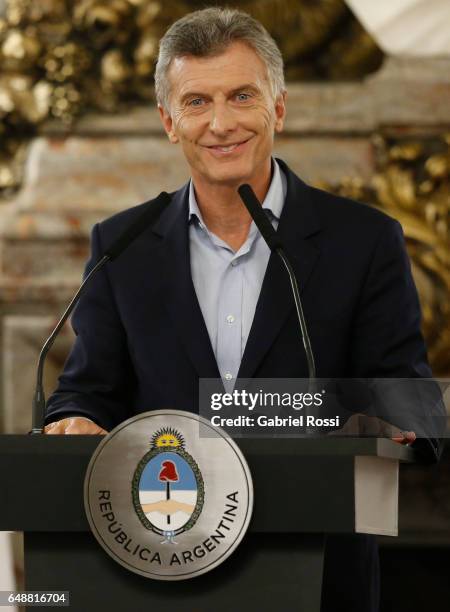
{"points": [[405, 437], [74, 425], [362, 425]]}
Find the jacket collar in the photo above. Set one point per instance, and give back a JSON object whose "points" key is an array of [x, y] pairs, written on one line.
{"points": [[178, 290]]}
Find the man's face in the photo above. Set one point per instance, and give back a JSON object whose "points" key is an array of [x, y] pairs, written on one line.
{"points": [[222, 111]]}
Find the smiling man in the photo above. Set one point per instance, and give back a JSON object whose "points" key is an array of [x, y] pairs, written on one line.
{"points": [[198, 294]]}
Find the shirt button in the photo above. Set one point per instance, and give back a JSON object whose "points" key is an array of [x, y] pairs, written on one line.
{"points": [[230, 319], [234, 262], [228, 376]]}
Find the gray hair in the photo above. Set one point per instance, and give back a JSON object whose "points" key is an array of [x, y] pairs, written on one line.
{"points": [[209, 32]]}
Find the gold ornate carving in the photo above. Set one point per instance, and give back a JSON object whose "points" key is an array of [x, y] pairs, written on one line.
{"points": [[59, 58], [412, 184]]}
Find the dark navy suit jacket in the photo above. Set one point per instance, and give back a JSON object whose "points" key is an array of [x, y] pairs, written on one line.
{"points": [[142, 343]]}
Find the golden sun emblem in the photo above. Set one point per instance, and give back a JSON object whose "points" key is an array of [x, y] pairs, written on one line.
{"points": [[167, 437]]}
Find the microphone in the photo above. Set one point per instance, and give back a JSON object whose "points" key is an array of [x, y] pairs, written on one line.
{"points": [[275, 244], [151, 213]]}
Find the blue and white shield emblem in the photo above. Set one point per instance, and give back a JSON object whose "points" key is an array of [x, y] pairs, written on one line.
{"points": [[168, 490]]}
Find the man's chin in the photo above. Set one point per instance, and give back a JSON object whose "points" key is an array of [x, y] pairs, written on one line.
{"points": [[231, 177]]}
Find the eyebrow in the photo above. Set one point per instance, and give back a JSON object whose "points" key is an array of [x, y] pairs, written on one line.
{"points": [[197, 94]]}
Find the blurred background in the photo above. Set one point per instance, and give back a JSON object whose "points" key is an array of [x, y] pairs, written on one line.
{"points": [[368, 117]]}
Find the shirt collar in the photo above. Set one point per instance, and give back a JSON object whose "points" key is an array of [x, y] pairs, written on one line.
{"points": [[273, 202]]}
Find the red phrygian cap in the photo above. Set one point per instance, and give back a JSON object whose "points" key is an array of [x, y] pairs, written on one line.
{"points": [[168, 472]]}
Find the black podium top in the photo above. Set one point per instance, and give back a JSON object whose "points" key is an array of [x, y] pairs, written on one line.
{"points": [[41, 480]]}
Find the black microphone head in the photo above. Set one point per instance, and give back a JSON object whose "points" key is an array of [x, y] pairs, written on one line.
{"points": [[260, 218], [146, 218]]}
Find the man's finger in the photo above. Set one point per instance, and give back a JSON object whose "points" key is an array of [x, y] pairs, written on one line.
{"points": [[55, 428], [83, 427], [405, 437]]}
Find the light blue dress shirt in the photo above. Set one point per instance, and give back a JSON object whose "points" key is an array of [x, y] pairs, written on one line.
{"points": [[228, 283]]}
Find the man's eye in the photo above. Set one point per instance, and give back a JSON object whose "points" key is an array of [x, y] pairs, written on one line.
{"points": [[196, 102], [243, 97]]}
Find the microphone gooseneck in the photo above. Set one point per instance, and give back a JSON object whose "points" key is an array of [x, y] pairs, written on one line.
{"points": [[275, 244], [149, 216]]}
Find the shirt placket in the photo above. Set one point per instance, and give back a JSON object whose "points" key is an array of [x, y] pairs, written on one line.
{"points": [[229, 325]]}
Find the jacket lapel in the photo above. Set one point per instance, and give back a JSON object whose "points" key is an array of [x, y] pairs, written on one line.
{"points": [[178, 289], [298, 222]]}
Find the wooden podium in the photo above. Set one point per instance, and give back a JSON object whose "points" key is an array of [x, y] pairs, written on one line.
{"points": [[304, 489]]}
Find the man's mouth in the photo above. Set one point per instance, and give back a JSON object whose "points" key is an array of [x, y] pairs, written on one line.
{"points": [[227, 148]]}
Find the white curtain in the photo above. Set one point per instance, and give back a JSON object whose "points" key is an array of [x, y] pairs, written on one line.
{"points": [[417, 28]]}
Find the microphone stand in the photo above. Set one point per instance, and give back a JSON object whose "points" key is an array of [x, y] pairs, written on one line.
{"points": [[39, 395]]}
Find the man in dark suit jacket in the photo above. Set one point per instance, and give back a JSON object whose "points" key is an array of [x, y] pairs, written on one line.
{"points": [[142, 342], [141, 338]]}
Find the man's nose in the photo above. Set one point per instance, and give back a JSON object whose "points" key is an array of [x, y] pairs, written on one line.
{"points": [[223, 119]]}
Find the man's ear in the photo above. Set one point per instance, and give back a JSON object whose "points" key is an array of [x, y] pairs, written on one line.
{"points": [[167, 122], [280, 111]]}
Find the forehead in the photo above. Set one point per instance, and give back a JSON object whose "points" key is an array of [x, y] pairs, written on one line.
{"points": [[238, 64]]}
